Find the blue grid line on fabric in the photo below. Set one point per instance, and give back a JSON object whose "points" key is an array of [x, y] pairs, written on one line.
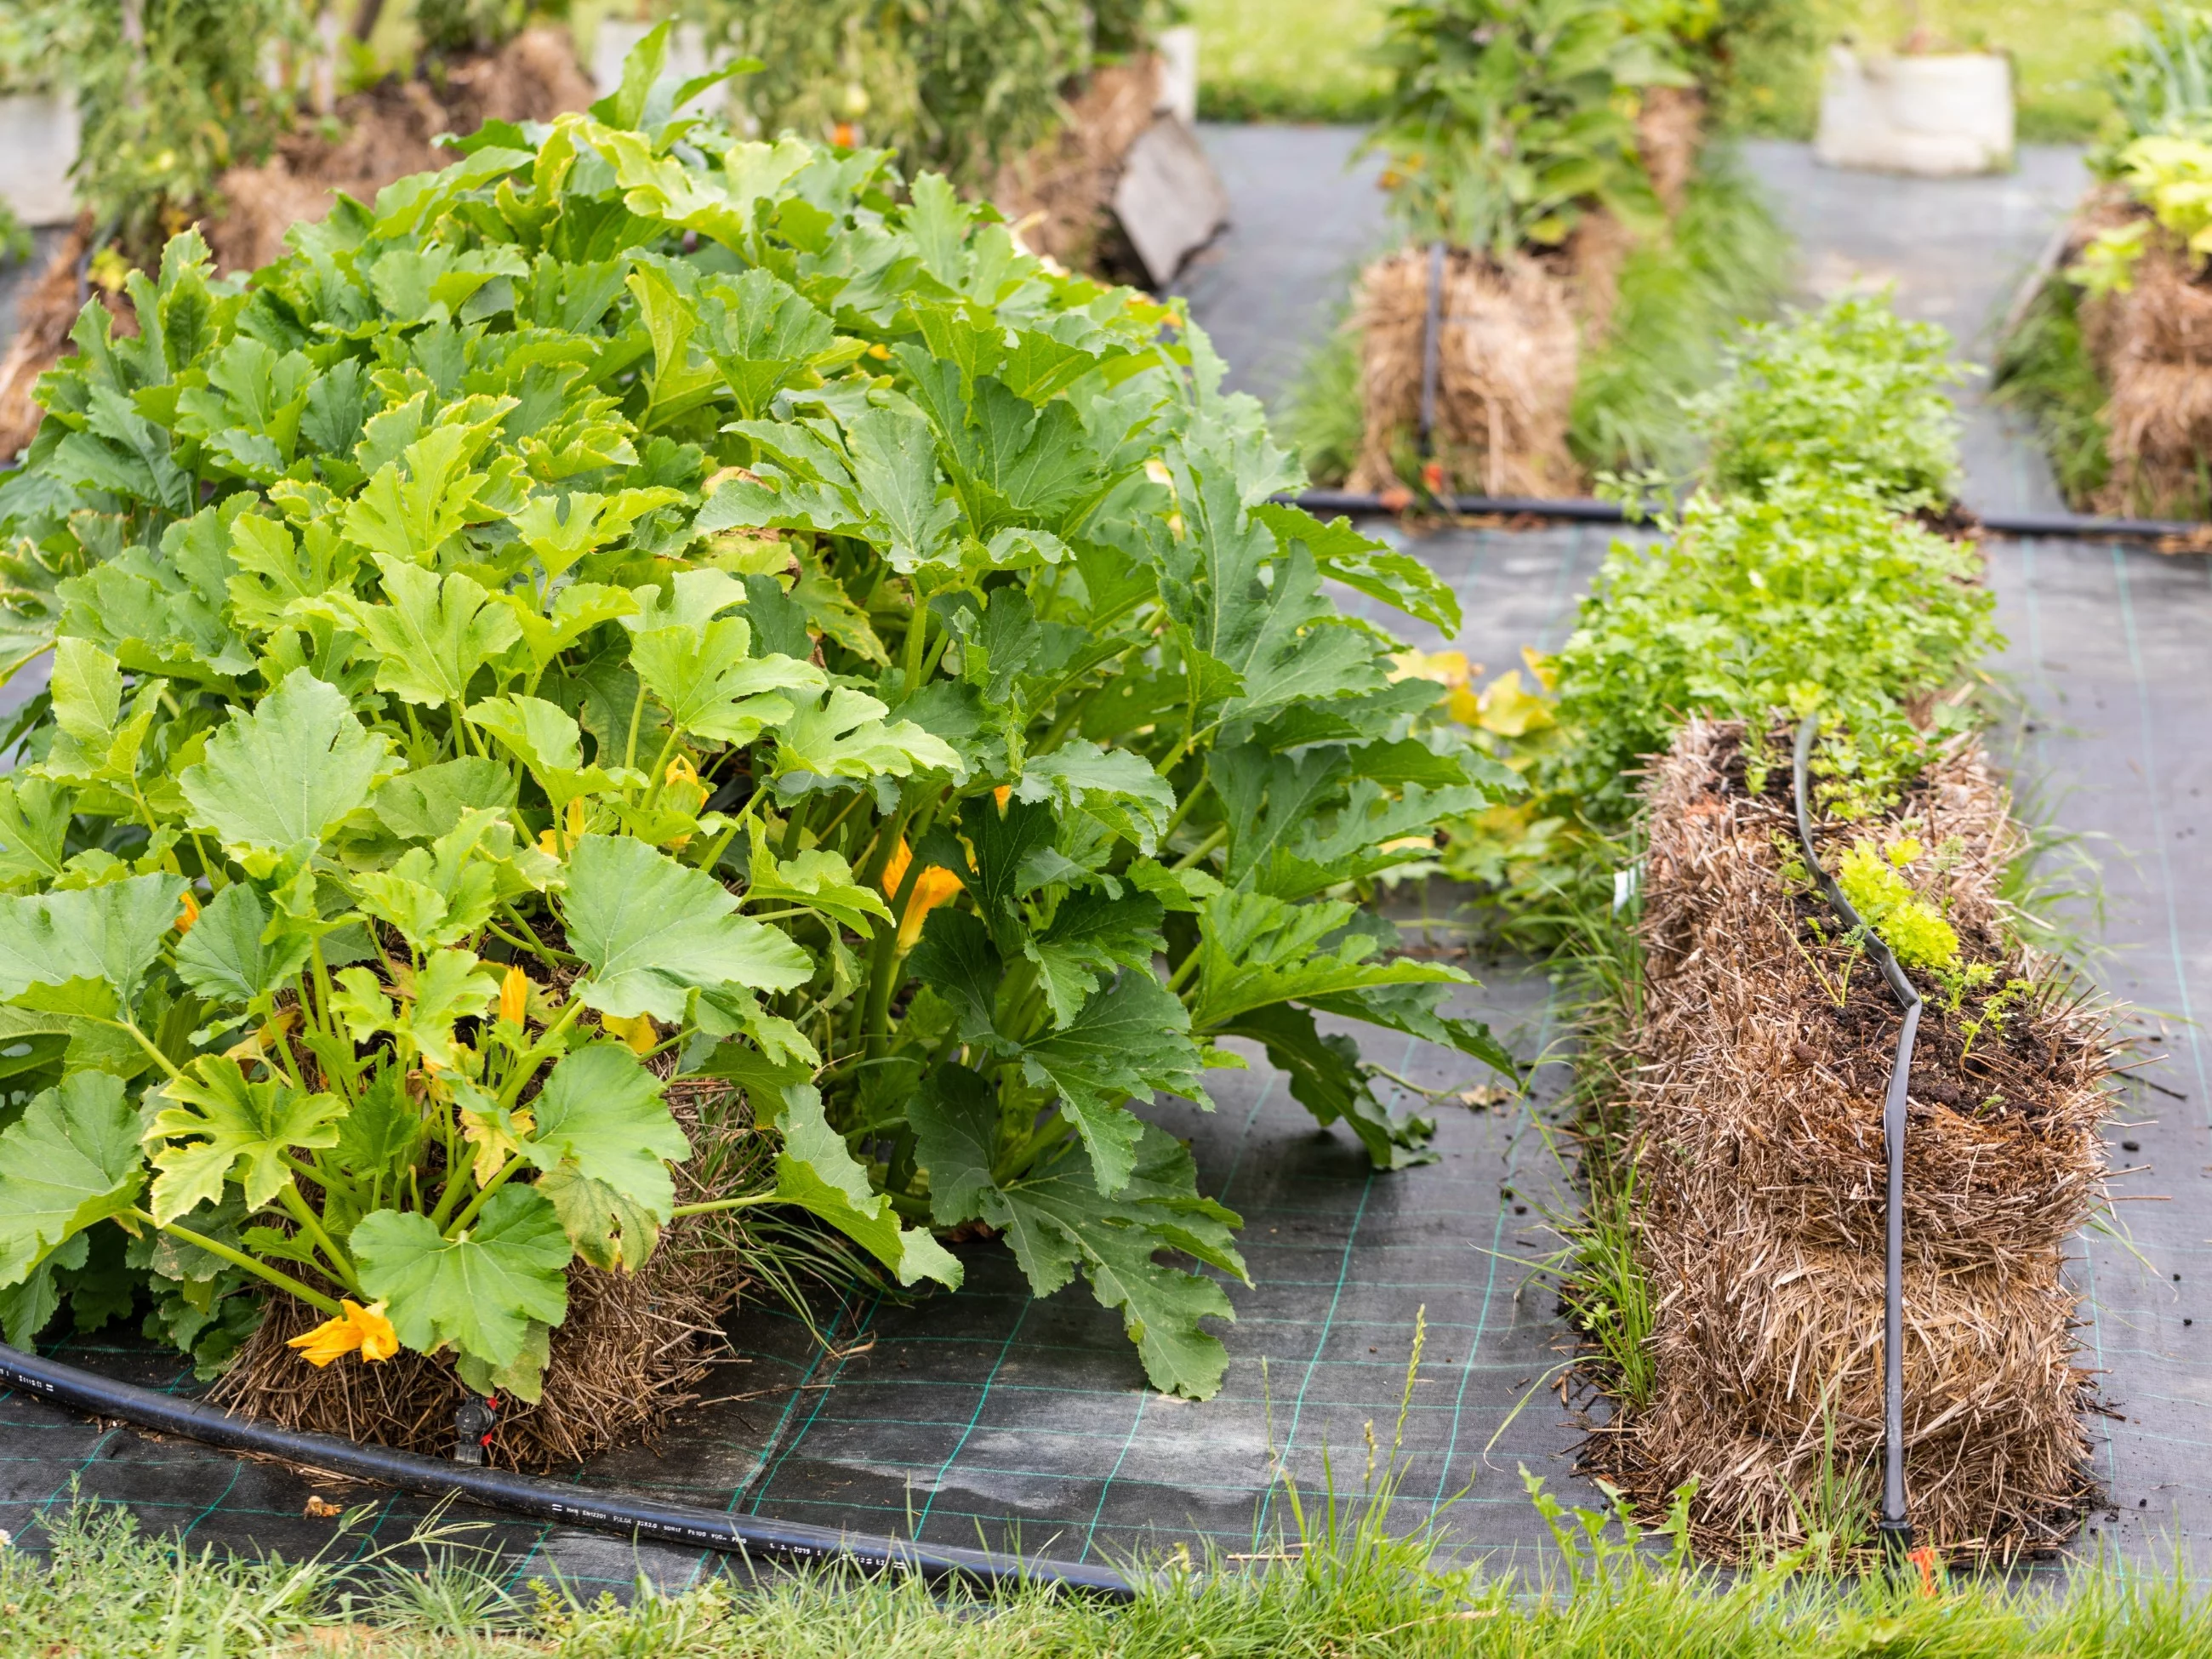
{"points": [[945, 1467], [1344, 1268], [1497, 1237], [767, 1481]]}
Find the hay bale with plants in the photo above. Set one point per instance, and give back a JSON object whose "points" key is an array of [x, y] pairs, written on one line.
{"points": [[1556, 153], [1761, 1056], [2111, 354]]}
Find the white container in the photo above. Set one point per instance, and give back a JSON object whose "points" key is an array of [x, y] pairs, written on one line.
{"points": [[1178, 53], [1938, 116], [38, 140]]}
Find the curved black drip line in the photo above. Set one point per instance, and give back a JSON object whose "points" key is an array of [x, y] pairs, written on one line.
{"points": [[1894, 1524], [631, 1516]]}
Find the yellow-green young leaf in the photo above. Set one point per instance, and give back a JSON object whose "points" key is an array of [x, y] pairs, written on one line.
{"points": [[411, 515], [577, 609], [435, 634], [94, 738], [452, 985], [86, 950], [439, 894], [823, 881], [547, 739], [219, 1126], [285, 774], [362, 1004], [72, 1160], [652, 931], [711, 688], [478, 1293], [845, 736], [561, 533], [86, 687], [816, 1172], [600, 1115]]}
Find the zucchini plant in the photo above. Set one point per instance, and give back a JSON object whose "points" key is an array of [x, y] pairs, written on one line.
{"points": [[640, 603]]}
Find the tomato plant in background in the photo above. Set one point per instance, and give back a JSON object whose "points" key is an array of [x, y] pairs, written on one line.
{"points": [[641, 603]]}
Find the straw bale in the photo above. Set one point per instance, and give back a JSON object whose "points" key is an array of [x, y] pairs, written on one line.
{"points": [[2153, 345], [1998, 1494], [2002, 1151], [1784, 1337], [1669, 128], [1057, 192], [1756, 1103], [1507, 348], [387, 134]]}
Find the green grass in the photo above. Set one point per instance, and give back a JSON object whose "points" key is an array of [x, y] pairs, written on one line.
{"points": [[1343, 1585], [2044, 370], [1301, 60], [1287, 60]]}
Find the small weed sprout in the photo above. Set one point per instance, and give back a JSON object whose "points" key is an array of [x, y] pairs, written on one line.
{"points": [[1995, 1013]]}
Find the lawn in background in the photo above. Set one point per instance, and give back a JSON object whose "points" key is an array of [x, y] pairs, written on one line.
{"points": [[1287, 60], [1304, 60]]}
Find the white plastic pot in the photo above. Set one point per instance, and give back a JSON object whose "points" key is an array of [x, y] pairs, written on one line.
{"points": [[39, 137], [1938, 115]]}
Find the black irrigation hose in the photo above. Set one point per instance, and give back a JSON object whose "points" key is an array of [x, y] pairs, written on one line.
{"points": [[633, 1518], [1894, 1523], [1580, 510]]}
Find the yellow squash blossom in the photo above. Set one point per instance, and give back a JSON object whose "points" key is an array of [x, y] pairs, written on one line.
{"points": [[513, 995], [355, 1327], [189, 914], [932, 888]]}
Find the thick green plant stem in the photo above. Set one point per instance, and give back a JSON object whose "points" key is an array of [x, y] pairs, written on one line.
{"points": [[221, 1252]]}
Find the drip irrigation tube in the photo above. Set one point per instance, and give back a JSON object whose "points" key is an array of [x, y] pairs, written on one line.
{"points": [[1584, 510], [1895, 1522], [631, 1516]]}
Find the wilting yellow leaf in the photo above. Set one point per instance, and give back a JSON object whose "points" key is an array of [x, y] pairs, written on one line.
{"points": [[640, 1033], [1445, 667], [496, 1138], [1508, 711], [265, 1036], [355, 1329]]}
